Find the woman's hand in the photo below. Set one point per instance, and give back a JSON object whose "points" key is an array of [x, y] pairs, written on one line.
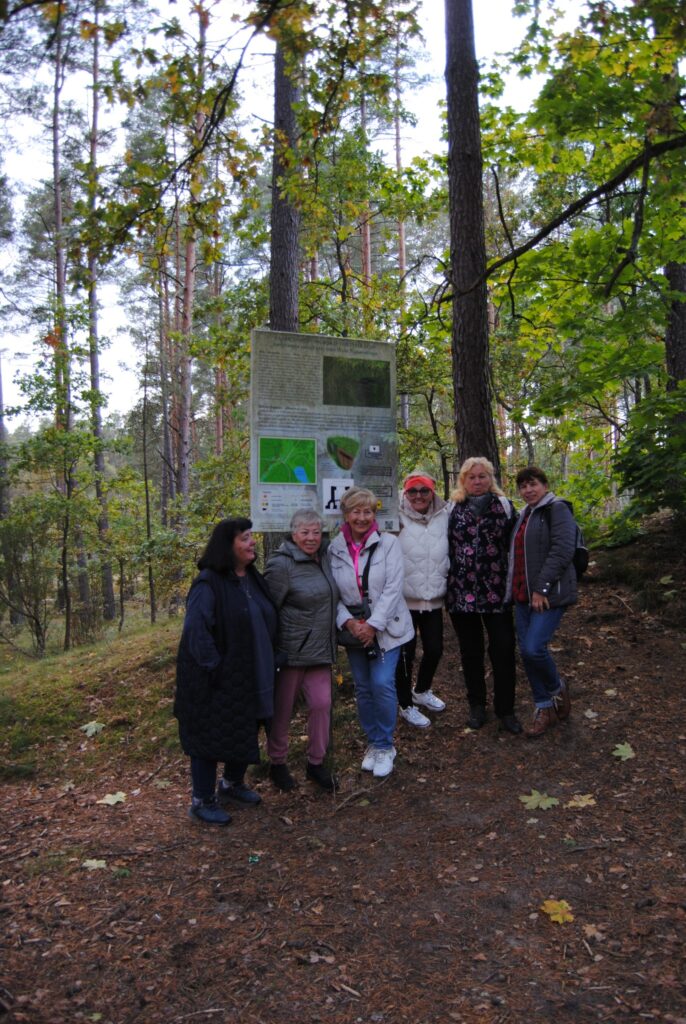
{"points": [[366, 633], [362, 631], [539, 602]]}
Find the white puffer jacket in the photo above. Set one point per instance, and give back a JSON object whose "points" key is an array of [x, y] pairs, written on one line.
{"points": [[424, 543]]}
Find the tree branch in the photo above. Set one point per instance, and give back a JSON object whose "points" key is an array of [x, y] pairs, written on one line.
{"points": [[643, 159]]}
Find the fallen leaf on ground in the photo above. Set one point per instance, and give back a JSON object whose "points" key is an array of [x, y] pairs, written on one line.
{"points": [[581, 800], [92, 728], [624, 751], [113, 798], [536, 800], [94, 865], [557, 910]]}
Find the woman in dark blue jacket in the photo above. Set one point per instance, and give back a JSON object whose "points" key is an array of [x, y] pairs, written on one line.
{"points": [[542, 585], [225, 669]]}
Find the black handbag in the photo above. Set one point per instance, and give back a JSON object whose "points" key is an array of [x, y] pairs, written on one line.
{"points": [[360, 611]]}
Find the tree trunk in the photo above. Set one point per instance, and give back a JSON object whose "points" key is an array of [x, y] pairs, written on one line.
{"points": [[284, 268], [106, 577], [675, 335], [474, 425]]}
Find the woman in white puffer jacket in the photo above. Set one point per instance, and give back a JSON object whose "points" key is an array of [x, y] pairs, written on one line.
{"points": [[424, 544]]}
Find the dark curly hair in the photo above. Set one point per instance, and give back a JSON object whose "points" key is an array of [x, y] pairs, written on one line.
{"points": [[218, 554]]}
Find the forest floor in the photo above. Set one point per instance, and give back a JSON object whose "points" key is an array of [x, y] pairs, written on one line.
{"points": [[417, 898]]}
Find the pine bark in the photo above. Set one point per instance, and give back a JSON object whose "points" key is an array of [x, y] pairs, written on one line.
{"points": [[474, 426]]}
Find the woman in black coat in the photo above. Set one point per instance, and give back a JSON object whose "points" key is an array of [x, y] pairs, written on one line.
{"points": [[225, 669]]}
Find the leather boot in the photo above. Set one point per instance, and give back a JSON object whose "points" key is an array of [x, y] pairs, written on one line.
{"points": [[544, 719]]}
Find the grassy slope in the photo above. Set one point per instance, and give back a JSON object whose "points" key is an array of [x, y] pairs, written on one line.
{"points": [[126, 684]]}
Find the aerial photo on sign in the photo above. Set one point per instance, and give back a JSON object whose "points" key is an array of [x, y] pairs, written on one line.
{"points": [[323, 418]]}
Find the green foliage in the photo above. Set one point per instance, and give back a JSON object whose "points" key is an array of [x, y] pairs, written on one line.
{"points": [[651, 460]]}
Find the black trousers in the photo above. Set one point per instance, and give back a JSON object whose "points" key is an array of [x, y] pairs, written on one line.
{"points": [[469, 627], [204, 775], [429, 626]]}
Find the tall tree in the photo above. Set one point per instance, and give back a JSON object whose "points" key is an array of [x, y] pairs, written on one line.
{"points": [[284, 267], [474, 426]]}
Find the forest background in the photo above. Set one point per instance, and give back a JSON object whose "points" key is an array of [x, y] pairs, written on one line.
{"points": [[315, 223]]}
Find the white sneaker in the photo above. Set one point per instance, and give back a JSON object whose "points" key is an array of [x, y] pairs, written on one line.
{"points": [[415, 717], [369, 759], [428, 700], [383, 765]]}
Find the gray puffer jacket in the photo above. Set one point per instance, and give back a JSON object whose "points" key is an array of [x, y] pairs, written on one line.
{"points": [[549, 545], [306, 596]]}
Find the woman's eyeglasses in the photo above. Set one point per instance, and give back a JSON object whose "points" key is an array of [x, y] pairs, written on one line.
{"points": [[414, 491]]}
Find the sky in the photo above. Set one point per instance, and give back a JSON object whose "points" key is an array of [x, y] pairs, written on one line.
{"points": [[496, 31]]}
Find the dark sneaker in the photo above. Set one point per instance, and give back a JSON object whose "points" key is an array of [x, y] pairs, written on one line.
{"points": [[544, 719], [281, 777], [209, 812], [477, 716], [563, 703], [228, 790], [322, 776], [510, 723]]}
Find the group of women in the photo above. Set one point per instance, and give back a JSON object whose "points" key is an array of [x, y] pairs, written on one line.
{"points": [[251, 644]]}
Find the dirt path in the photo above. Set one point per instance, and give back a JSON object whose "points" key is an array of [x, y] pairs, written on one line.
{"points": [[417, 898]]}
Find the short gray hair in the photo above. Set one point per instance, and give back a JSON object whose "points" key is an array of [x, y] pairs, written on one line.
{"points": [[303, 516]]}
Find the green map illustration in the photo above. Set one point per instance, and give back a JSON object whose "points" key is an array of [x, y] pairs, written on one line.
{"points": [[288, 460]]}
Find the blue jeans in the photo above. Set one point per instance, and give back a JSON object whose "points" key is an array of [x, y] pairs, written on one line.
{"points": [[377, 703], [534, 632]]}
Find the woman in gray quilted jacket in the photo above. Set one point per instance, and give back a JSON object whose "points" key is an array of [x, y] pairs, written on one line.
{"points": [[302, 588]]}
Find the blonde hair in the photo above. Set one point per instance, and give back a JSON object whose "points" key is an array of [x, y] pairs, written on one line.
{"points": [[356, 496], [460, 494]]}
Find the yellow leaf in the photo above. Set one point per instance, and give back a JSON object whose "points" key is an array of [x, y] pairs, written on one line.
{"points": [[581, 800], [557, 910]]}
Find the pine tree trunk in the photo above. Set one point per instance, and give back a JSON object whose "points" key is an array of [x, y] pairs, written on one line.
{"points": [[106, 576], [284, 269], [474, 425]]}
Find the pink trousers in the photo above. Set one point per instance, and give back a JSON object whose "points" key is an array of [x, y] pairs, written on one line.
{"points": [[315, 683]]}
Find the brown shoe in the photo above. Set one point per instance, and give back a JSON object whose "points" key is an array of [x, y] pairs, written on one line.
{"points": [[563, 703], [544, 719]]}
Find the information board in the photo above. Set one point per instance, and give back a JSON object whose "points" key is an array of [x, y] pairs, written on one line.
{"points": [[322, 418]]}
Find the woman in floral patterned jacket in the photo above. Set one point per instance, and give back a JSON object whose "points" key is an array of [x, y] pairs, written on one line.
{"points": [[479, 531]]}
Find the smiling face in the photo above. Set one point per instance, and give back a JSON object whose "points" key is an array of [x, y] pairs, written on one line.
{"points": [[359, 519], [243, 550], [477, 481], [308, 537], [532, 490], [419, 497]]}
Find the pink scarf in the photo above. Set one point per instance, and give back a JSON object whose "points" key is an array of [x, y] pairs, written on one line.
{"points": [[356, 549]]}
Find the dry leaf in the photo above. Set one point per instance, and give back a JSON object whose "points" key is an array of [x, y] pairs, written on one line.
{"points": [[557, 910], [581, 800], [538, 801], [110, 799]]}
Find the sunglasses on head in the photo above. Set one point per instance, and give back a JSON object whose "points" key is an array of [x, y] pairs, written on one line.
{"points": [[414, 491]]}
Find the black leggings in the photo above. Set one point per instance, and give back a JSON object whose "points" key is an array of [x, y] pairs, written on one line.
{"points": [[429, 625]]}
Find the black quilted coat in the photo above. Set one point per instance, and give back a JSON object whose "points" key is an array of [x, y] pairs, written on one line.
{"points": [[217, 709]]}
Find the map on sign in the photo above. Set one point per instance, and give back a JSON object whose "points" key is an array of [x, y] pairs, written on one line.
{"points": [[288, 460]]}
